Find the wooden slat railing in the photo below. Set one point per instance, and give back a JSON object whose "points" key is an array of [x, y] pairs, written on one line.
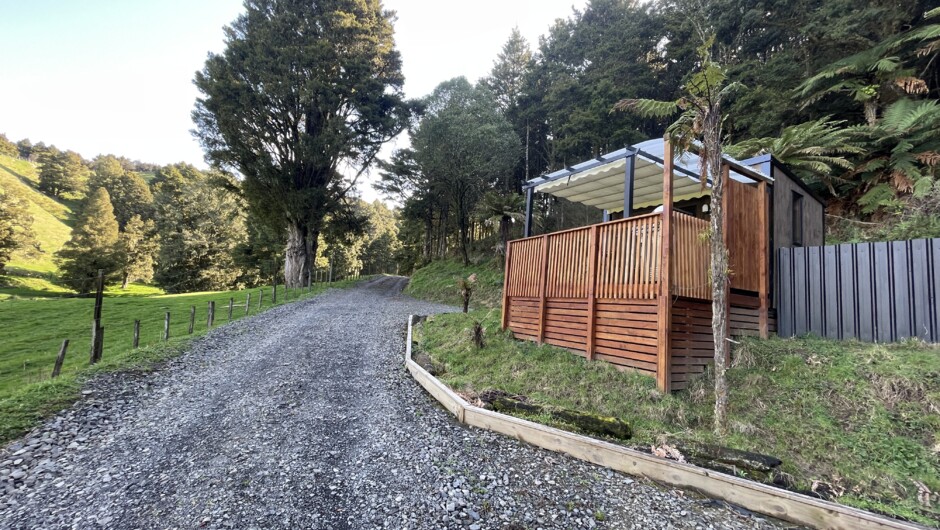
{"points": [[628, 261], [628, 258], [524, 269], [568, 255], [690, 258]]}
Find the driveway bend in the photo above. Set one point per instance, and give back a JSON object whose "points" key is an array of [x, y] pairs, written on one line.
{"points": [[303, 417]]}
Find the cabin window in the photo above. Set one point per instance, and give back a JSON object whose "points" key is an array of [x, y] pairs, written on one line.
{"points": [[797, 219]]}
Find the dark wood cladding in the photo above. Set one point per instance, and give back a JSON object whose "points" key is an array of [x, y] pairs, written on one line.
{"points": [[813, 222]]}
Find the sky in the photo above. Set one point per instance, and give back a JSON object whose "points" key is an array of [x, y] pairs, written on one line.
{"points": [[108, 76]]}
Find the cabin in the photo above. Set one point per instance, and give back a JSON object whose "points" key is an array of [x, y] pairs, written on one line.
{"points": [[634, 290]]}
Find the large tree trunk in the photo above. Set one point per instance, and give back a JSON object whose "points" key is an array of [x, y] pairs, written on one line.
{"points": [[428, 234], [296, 262], [465, 243], [504, 228], [871, 112], [313, 243]]}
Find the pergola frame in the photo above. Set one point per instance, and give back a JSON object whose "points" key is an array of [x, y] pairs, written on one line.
{"points": [[630, 154]]}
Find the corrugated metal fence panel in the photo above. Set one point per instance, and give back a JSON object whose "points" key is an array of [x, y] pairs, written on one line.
{"points": [[882, 292]]}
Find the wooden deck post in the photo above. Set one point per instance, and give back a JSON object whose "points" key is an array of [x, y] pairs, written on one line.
{"points": [[543, 281], [664, 311], [505, 322], [592, 298], [726, 236], [763, 324]]}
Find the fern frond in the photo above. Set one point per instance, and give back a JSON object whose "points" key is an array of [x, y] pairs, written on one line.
{"points": [[903, 114], [648, 108]]}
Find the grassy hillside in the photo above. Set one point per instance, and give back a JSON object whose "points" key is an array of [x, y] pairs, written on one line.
{"points": [[51, 218], [861, 419], [31, 331], [437, 282]]}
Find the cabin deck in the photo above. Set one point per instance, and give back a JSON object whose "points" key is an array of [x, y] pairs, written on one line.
{"points": [[599, 290]]}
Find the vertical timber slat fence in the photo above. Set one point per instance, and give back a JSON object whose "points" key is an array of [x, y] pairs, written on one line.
{"points": [[596, 291], [874, 292]]}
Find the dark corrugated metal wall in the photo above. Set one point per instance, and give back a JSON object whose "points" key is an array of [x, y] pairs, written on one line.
{"points": [[881, 292]]}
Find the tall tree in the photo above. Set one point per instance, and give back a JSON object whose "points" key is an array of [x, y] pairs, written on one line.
{"points": [[93, 244], [16, 232], [25, 148], [508, 83], [137, 246], [62, 173], [464, 145], [129, 193], [303, 91], [201, 224], [382, 245], [507, 78], [7, 148], [401, 179], [699, 126]]}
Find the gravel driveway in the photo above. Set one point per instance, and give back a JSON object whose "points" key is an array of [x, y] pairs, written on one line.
{"points": [[303, 417]]}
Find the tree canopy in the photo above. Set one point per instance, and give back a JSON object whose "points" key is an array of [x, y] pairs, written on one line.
{"points": [[304, 94], [93, 245]]}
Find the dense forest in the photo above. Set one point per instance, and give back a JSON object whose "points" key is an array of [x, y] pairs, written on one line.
{"points": [[176, 227], [844, 92]]}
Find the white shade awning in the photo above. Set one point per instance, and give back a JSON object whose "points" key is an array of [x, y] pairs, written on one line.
{"points": [[600, 182]]}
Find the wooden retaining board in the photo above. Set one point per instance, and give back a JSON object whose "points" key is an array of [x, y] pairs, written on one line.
{"points": [[753, 496]]}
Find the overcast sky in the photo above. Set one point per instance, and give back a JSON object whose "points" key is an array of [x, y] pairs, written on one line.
{"points": [[105, 76]]}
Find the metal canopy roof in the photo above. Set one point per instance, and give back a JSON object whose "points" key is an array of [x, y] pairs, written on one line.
{"points": [[600, 182]]}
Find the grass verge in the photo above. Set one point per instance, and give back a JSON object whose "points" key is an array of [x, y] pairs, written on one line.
{"points": [[437, 282], [862, 419], [31, 331]]}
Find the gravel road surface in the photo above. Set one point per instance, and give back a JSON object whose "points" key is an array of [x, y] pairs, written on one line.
{"points": [[303, 417]]}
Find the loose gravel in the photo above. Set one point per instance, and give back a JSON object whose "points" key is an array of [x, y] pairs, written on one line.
{"points": [[304, 417]]}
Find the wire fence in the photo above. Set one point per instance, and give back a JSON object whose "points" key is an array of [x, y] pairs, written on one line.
{"points": [[123, 325]]}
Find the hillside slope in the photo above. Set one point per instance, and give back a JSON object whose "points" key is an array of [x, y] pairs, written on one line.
{"points": [[51, 218]]}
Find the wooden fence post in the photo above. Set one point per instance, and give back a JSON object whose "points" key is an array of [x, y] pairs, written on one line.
{"points": [[247, 302], [506, 270], [763, 324], [95, 328], [664, 312], [136, 341], [99, 347], [210, 318], [166, 327], [543, 279], [260, 298], [60, 359], [231, 306], [274, 293], [96, 325], [192, 318], [592, 300]]}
